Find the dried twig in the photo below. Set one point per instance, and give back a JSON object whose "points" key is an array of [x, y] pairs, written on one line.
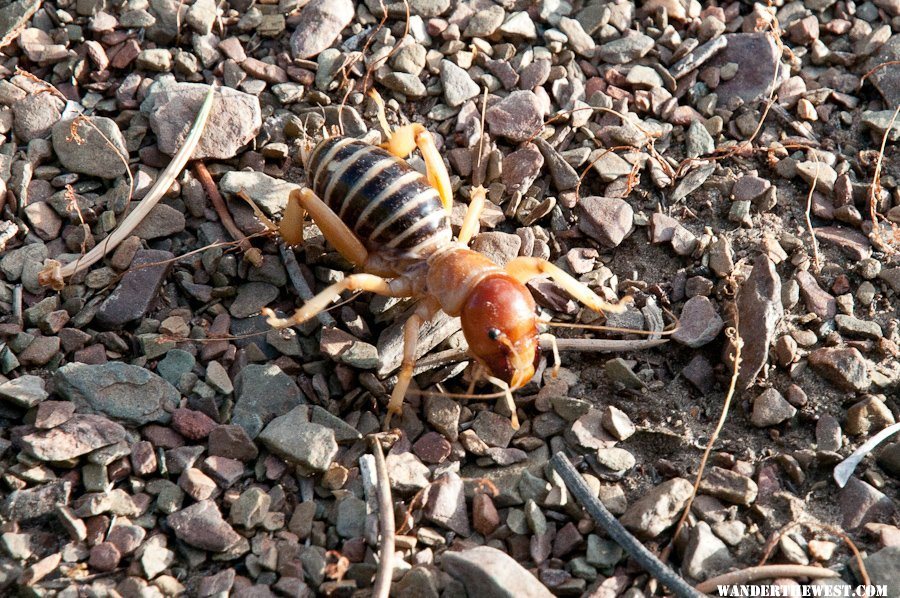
{"points": [[251, 253], [770, 545], [652, 565], [738, 342], [875, 188], [299, 282], [812, 235], [746, 576], [54, 273], [382, 587]]}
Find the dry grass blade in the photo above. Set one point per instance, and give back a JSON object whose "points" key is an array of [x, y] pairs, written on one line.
{"points": [[738, 343], [54, 275], [875, 188], [382, 587], [773, 542], [845, 468], [809, 227]]}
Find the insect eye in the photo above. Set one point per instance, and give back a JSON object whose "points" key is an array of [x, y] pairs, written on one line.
{"points": [[493, 333]]}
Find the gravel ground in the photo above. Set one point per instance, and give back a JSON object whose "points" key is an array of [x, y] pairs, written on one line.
{"points": [[718, 164]]}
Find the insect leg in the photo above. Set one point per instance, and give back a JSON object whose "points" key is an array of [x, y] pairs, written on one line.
{"points": [[434, 165], [470, 223], [336, 232], [403, 140], [399, 287], [426, 310], [524, 269]]}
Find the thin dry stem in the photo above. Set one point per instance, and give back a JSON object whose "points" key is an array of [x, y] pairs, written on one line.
{"points": [[251, 253], [812, 235], [875, 188], [382, 587], [738, 343], [53, 274], [773, 542], [745, 576]]}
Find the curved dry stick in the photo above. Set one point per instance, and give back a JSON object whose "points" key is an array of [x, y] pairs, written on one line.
{"points": [[647, 560], [738, 342], [875, 187], [382, 586], [52, 270], [770, 545], [746, 576], [812, 235], [251, 253]]}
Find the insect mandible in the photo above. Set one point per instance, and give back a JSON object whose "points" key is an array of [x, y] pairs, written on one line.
{"points": [[393, 223]]}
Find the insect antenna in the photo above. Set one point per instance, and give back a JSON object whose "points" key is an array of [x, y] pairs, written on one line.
{"points": [[666, 332]]}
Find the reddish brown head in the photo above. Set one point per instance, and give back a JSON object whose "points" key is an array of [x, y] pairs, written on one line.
{"points": [[499, 320]]}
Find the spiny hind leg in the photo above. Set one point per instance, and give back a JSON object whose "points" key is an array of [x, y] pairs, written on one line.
{"points": [[524, 269], [398, 287], [426, 310], [302, 201], [403, 140]]}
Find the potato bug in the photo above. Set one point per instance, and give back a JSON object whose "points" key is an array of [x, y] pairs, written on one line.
{"points": [[393, 224]]}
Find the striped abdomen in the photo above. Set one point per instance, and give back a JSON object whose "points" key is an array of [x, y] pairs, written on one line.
{"points": [[391, 207]]}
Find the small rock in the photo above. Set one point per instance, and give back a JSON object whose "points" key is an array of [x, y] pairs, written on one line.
{"points": [[485, 518], [757, 58], [493, 429], [617, 423], [658, 508], [88, 152], [489, 573], [319, 25], [134, 295], [705, 555], [53, 413], [232, 442], [845, 368], [860, 503], [77, 436], [251, 508], [868, 415], [172, 108], [760, 310], [770, 409], [35, 115], [263, 392], [517, 116], [698, 141], [446, 505], [729, 486], [124, 392], [817, 300], [699, 323], [606, 219], [201, 525], [293, 437], [458, 85], [625, 49], [25, 391]]}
